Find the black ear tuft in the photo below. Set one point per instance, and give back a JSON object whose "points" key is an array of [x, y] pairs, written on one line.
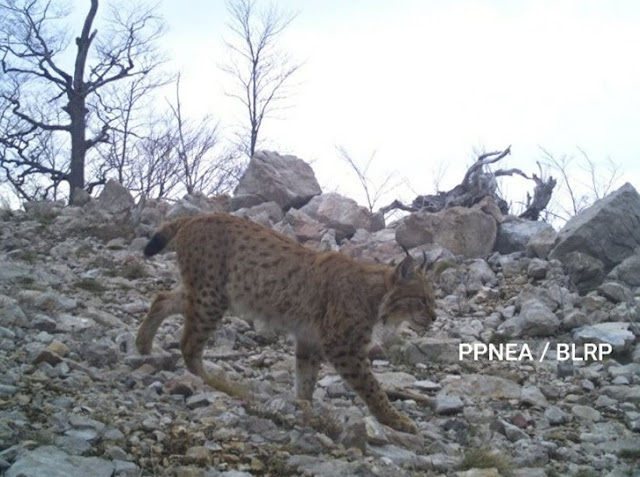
{"points": [[405, 268], [423, 265]]}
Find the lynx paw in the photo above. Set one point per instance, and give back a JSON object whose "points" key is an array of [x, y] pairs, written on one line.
{"points": [[143, 346], [220, 382], [401, 423]]}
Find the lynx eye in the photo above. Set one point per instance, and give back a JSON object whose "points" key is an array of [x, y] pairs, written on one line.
{"points": [[422, 300]]}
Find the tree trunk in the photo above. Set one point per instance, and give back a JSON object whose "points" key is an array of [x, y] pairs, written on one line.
{"points": [[77, 113], [77, 109]]}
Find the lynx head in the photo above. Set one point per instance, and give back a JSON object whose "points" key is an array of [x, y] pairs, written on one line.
{"points": [[411, 296]]}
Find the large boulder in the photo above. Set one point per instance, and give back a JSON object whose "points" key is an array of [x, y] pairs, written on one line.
{"points": [[286, 180], [514, 234], [628, 271], [115, 197], [609, 230], [464, 231], [342, 214]]}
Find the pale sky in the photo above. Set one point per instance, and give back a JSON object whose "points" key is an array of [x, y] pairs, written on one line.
{"points": [[424, 82]]}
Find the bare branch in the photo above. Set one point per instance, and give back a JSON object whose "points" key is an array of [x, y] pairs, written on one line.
{"points": [[483, 160], [478, 184], [261, 72], [42, 91], [372, 192]]}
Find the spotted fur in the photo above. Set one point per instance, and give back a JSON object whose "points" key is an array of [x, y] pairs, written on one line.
{"points": [[328, 301]]}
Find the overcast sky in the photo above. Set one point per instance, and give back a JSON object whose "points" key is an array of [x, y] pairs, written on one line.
{"points": [[423, 83]]}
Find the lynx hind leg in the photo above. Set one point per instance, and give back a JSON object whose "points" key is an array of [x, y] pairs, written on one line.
{"points": [[308, 360], [353, 366], [165, 304]]}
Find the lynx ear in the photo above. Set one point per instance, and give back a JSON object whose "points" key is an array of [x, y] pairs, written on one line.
{"points": [[405, 268]]}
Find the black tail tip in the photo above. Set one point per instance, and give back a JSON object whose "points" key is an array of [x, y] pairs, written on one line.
{"points": [[155, 245]]}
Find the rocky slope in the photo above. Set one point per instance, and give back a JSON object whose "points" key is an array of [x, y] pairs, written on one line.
{"points": [[76, 399]]}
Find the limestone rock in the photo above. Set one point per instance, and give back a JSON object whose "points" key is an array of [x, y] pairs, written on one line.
{"points": [[541, 243], [380, 245], [11, 314], [615, 292], [197, 204], [534, 319], [515, 234], [609, 230], [478, 386], [575, 319], [586, 413], [556, 416], [463, 231], [342, 214], [586, 272], [265, 213], [491, 472], [628, 271], [43, 210], [303, 228], [115, 198], [431, 350], [617, 334], [49, 461], [286, 180], [533, 396], [244, 201], [538, 268], [448, 404], [511, 432]]}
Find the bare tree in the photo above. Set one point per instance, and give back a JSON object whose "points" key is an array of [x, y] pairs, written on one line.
{"points": [[373, 192], [581, 185], [260, 71], [18, 166], [43, 95], [154, 172], [163, 153], [129, 109], [203, 166], [600, 185]]}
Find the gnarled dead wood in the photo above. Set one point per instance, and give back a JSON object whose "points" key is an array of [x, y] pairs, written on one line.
{"points": [[478, 183]]}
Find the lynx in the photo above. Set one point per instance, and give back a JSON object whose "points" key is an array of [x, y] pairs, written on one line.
{"points": [[328, 301]]}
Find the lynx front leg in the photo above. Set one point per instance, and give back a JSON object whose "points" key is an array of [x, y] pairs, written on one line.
{"points": [[194, 338], [197, 331], [165, 304], [354, 368], [308, 360]]}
